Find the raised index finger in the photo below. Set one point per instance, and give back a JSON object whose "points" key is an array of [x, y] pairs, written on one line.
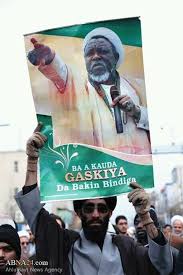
{"points": [[33, 40], [135, 185], [35, 43], [38, 127]]}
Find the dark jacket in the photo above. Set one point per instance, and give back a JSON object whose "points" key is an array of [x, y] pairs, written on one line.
{"points": [[179, 263], [54, 243]]}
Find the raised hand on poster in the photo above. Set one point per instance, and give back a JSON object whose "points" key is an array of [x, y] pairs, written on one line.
{"points": [[141, 201], [139, 198], [35, 142], [41, 54]]}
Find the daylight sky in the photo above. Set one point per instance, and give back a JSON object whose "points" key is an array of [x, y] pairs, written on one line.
{"points": [[162, 51]]}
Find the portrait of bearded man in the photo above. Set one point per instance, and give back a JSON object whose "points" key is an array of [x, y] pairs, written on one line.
{"points": [[100, 108]]}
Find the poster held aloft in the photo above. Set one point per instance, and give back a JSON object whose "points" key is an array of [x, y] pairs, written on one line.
{"points": [[98, 140]]}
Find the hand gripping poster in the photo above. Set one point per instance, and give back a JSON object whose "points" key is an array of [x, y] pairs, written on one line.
{"points": [[89, 93]]}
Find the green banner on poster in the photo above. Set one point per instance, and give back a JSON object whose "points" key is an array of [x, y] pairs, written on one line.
{"points": [[96, 147]]}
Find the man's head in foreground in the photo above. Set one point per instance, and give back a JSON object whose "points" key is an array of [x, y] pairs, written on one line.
{"points": [[177, 225], [122, 224], [103, 53], [95, 215], [167, 229], [141, 233], [9, 246], [24, 242], [31, 236]]}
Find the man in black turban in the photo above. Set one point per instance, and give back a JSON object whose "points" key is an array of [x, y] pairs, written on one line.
{"points": [[9, 249], [93, 250], [95, 215]]}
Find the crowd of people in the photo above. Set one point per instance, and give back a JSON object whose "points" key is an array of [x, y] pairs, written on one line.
{"points": [[18, 247], [45, 245], [19, 250]]}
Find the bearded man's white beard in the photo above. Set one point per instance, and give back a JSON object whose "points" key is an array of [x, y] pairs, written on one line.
{"points": [[100, 78], [178, 234]]}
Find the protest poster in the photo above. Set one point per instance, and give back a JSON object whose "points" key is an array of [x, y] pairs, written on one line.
{"points": [[94, 149]]}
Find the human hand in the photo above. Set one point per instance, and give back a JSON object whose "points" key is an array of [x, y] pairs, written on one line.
{"points": [[127, 105], [35, 142], [41, 54], [124, 102], [141, 201], [139, 198]]}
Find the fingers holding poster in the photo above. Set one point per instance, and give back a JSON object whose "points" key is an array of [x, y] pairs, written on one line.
{"points": [[88, 88]]}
